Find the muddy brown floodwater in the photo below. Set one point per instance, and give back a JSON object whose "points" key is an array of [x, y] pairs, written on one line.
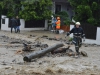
{"points": [[61, 64]]}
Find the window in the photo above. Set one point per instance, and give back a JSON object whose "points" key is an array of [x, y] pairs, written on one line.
{"points": [[3, 21], [58, 9]]}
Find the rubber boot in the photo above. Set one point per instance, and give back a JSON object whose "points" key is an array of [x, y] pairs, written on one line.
{"points": [[77, 51]]}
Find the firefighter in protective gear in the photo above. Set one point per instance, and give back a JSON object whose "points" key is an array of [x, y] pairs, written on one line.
{"points": [[58, 24], [78, 34]]}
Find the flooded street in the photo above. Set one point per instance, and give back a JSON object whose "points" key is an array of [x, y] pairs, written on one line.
{"points": [[60, 64]]}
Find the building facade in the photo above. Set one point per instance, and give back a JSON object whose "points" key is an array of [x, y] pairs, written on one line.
{"points": [[62, 5]]}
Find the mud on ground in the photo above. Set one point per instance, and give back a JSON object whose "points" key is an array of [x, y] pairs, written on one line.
{"points": [[61, 64]]}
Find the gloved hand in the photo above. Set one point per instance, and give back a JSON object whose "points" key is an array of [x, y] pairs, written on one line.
{"points": [[83, 35], [68, 34]]}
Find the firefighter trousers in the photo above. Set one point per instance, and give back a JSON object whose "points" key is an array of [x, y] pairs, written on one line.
{"points": [[77, 42]]}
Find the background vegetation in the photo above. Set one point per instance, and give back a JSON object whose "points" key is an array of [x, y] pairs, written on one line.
{"points": [[64, 17], [86, 11], [27, 9]]}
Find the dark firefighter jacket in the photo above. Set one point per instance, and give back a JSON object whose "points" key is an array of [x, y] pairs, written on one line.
{"points": [[77, 32]]}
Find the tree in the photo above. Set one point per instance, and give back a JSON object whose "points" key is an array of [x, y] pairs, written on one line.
{"points": [[36, 9], [9, 7], [87, 11], [27, 9]]}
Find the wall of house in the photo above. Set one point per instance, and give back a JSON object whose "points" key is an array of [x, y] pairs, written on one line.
{"points": [[90, 41], [66, 7], [22, 27], [53, 8]]}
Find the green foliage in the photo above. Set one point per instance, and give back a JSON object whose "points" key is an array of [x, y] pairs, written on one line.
{"points": [[70, 39], [87, 11], [10, 7], [94, 6], [62, 13], [27, 9], [36, 9], [64, 17], [67, 21], [92, 21]]}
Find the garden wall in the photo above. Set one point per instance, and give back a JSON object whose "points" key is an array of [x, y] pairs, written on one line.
{"points": [[5, 25]]}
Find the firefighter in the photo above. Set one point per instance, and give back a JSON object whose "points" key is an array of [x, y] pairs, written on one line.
{"points": [[78, 34], [58, 24]]}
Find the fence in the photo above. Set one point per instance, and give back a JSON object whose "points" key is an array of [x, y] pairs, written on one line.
{"points": [[35, 24], [90, 31]]}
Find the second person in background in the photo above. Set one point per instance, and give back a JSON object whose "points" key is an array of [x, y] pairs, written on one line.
{"points": [[18, 24]]}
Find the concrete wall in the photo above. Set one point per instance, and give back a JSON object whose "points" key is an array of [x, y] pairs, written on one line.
{"points": [[22, 27], [5, 26], [90, 41]]}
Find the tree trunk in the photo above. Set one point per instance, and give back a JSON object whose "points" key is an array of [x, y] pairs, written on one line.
{"points": [[33, 55]]}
